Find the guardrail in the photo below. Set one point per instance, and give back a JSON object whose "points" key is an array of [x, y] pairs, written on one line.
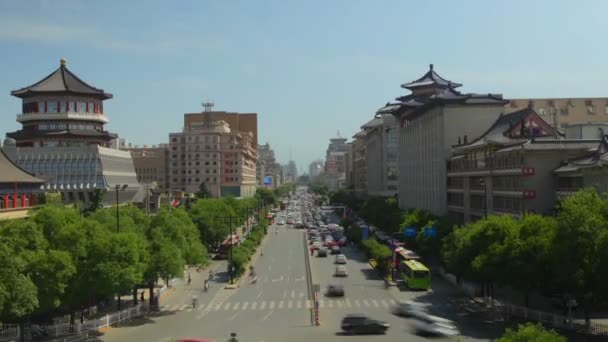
{"points": [[314, 313]]}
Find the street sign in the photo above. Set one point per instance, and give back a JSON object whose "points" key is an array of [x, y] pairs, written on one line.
{"points": [[430, 232], [409, 232]]}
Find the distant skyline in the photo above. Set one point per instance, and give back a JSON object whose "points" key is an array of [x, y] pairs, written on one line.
{"points": [[307, 68]]}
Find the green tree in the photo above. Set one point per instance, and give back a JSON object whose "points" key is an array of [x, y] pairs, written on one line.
{"points": [[18, 293], [531, 332], [582, 225], [266, 195], [203, 191], [208, 215], [177, 227]]}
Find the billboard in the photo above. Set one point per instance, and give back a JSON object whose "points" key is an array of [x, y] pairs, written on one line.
{"points": [[267, 181]]}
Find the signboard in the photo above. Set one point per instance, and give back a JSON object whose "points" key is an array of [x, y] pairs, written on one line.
{"points": [[268, 181], [409, 232], [430, 232], [364, 232]]}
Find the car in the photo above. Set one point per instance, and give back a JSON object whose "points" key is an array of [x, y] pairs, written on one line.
{"points": [[341, 271], [341, 259], [281, 223], [290, 221], [335, 290], [429, 325], [335, 249], [409, 308], [361, 324], [322, 252]]}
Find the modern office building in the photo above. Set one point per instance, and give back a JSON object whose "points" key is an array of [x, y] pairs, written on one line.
{"points": [[315, 169], [359, 156], [210, 151], [336, 163], [430, 119], [509, 169], [565, 111], [381, 147], [151, 166], [273, 171], [63, 140]]}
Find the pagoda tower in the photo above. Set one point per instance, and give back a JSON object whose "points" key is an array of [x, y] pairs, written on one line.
{"points": [[61, 110]]}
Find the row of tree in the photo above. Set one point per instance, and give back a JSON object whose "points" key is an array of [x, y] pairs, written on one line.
{"points": [[60, 261]]}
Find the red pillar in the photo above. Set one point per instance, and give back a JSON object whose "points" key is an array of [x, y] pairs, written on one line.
{"points": [[22, 200]]}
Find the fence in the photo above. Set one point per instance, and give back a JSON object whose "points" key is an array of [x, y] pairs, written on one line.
{"points": [[510, 311], [70, 332]]}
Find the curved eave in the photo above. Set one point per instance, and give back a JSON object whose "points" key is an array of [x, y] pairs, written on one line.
{"points": [[23, 94]]}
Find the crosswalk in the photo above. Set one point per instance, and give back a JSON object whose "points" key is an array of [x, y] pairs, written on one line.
{"points": [[285, 304]]}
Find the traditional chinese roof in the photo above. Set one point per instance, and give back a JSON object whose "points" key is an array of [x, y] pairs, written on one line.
{"points": [[389, 108], [513, 128], [598, 158], [11, 173], [375, 122], [61, 80], [360, 134], [431, 78], [21, 134], [553, 145]]}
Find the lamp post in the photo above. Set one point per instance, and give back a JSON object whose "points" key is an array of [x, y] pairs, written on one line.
{"points": [[230, 220]]}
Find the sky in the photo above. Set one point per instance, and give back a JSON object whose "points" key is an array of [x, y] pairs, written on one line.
{"points": [[308, 68]]}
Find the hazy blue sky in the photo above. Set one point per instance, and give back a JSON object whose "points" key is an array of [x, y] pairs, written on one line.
{"points": [[309, 68]]}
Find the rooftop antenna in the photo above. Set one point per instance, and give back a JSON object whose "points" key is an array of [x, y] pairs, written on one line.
{"points": [[339, 136], [208, 106]]}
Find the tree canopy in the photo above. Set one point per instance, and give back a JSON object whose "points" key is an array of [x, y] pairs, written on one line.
{"points": [[531, 332]]}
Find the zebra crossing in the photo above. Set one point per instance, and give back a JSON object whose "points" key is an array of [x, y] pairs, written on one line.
{"points": [[285, 304]]}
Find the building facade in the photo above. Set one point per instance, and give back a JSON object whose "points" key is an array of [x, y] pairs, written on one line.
{"points": [[238, 122], [359, 155], [19, 190], [382, 143], [588, 170], [63, 140], [151, 165], [210, 152], [565, 111], [509, 169], [335, 163], [430, 119], [315, 169], [585, 131], [273, 171]]}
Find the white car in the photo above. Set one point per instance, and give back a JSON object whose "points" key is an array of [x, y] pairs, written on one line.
{"points": [[341, 271], [281, 223], [340, 259], [409, 308], [426, 324]]}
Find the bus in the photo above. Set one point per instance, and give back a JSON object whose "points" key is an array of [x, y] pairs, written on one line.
{"points": [[416, 275]]}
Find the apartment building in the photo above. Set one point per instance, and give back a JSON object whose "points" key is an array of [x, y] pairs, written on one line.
{"points": [[588, 170], [359, 155], [151, 165], [382, 142], [560, 112]]}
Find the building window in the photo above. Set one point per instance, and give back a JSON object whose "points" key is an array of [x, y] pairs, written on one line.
{"points": [[542, 111], [82, 107], [64, 107], [591, 110], [563, 111]]}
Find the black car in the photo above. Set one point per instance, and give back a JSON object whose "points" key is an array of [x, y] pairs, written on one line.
{"points": [[335, 291], [361, 324], [335, 250]]}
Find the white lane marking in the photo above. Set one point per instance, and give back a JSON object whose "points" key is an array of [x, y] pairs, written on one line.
{"points": [[275, 280], [236, 306], [375, 302], [384, 303], [293, 294], [254, 305], [299, 304], [245, 306], [280, 304], [290, 304], [285, 294], [272, 305], [233, 316], [184, 306], [259, 294], [263, 305], [299, 279], [227, 306], [347, 303], [365, 302], [268, 315], [217, 307]]}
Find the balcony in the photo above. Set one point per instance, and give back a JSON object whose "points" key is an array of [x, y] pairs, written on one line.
{"points": [[25, 117]]}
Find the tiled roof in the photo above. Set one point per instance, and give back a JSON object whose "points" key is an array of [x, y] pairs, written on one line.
{"points": [[11, 173], [389, 108], [598, 158], [375, 122], [553, 145], [429, 79], [60, 81]]}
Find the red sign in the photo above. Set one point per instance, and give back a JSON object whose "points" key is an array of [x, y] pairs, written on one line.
{"points": [[527, 171], [529, 194]]}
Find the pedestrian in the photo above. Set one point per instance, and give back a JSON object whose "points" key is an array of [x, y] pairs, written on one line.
{"points": [[141, 296], [189, 277]]}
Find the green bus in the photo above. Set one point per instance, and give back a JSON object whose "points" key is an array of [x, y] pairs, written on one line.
{"points": [[416, 275]]}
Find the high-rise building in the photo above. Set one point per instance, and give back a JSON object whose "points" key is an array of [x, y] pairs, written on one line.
{"points": [[315, 169], [336, 163], [359, 156], [151, 165], [430, 121], [212, 152], [273, 171], [63, 140], [381, 153], [560, 112]]}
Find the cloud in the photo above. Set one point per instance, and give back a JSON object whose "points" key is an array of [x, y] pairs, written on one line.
{"points": [[26, 29]]}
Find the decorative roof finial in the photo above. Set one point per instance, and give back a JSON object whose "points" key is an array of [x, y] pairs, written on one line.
{"points": [[431, 67], [62, 62]]}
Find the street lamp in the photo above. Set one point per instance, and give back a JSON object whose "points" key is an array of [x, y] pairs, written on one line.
{"points": [[230, 220], [118, 188], [482, 182]]}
